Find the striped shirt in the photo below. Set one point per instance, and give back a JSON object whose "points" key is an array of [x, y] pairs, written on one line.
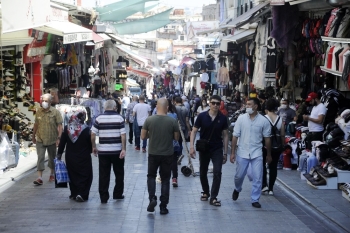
{"points": [[109, 126]]}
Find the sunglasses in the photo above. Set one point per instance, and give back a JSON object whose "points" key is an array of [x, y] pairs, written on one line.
{"points": [[215, 103]]}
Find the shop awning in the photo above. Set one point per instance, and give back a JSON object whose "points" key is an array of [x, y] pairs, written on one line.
{"points": [[15, 38], [131, 83], [104, 36], [98, 40], [245, 16], [188, 61], [138, 59], [118, 39], [173, 62], [240, 36], [70, 32], [141, 73]]}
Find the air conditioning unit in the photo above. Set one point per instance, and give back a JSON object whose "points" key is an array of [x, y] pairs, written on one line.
{"points": [[182, 37]]}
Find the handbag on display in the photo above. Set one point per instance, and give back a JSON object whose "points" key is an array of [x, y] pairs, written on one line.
{"points": [[202, 145]]}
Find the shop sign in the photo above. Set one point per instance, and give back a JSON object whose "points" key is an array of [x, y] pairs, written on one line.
{"points": [[193, 27], [24, 14], [121, 75], [58, 14], [98, 45], [76, 37], [118, 86]]}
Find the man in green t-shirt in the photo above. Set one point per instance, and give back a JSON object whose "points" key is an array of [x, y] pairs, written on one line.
{"points": [[161, 131]]}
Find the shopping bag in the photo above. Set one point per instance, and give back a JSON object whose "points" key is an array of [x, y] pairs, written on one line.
{"points": [[61, 172]]}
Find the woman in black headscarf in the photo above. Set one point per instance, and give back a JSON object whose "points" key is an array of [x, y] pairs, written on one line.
{"points": [[76, 139]]}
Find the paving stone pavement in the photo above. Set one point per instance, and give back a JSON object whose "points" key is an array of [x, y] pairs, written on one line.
{"points": [[26, 208]]}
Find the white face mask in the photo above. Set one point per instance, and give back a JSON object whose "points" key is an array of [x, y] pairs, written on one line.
{"points": [[249, 111], [45, 105], [283, 106]]}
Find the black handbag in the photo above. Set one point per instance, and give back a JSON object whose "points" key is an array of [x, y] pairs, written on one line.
{"points": [[202, 145]]}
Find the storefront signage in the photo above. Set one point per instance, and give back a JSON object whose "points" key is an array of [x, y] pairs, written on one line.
{"points": [[199, 26], [76, 37], [58, 14], [24, 14], [121, 75]]}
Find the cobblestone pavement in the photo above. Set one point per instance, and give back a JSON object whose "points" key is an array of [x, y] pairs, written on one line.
{"points": [[26, 208]]}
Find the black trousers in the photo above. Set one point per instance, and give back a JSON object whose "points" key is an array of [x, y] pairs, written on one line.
{"points": [[105, 164], [163, 162], [272, 168], [174, 167], [131, 131], [313, 136], [204, 159]]}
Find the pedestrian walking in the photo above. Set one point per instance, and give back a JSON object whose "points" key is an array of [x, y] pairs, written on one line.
{"points": [[183, 116], [111, 150], [160, 153], [141, 111], [213, 129], [77, 141], [271, 106], [47, 132], [130, 118], [125, 102], [251, 129]]}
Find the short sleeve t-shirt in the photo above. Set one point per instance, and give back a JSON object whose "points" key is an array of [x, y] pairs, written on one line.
{"points": [[182, 113], [142, 112], [287, 115], [161, 141], [279, 124], [316, 111]]}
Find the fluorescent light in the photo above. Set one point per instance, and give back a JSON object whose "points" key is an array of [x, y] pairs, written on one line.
{"points": [[298, 1]]}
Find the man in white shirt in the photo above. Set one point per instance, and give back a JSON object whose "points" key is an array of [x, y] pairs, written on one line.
{"points": [[315, 119], [125, 103], [141, 111]]}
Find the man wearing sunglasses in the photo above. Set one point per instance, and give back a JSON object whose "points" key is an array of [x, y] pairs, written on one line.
{"points": [[213, 125]]}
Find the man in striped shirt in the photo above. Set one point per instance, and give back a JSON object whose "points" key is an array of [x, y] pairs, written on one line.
{"points": [[110, 128]]}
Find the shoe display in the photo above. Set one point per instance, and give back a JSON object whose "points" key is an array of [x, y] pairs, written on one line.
{"points": [[152, 204], [7, 88], [8, 74], [8, 79], [7, 54], [175, 184]]}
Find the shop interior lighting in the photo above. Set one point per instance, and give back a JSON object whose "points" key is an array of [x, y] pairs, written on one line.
{"points": [[298, 2]]}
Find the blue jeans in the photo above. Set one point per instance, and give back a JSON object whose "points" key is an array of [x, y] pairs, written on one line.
{"points": [[138, 139], [204, 159], [257, 173]]}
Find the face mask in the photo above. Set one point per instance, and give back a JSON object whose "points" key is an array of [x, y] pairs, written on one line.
{"points": [[45, 105], [249, 111], [283, 106]]}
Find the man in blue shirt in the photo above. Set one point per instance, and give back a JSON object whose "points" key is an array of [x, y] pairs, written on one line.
{"points": [[218, 147], [251, 128]]}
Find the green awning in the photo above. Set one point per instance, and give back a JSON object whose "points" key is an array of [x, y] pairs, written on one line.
{"points": [[121, 14], [117, 6], [144, 25]]}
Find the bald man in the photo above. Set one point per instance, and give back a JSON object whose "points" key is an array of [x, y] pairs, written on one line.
{"points": [[160, 153]]}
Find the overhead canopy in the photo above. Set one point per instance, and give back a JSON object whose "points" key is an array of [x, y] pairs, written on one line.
{"points": [[121, 14], [131, 83], [104, 36], [118, 39], [71, 32], [144, 25], [117, 6], [15, 38], [231, 23], [138, 59], [240, 36], [140, 73], [98, 40], [173, 62]]}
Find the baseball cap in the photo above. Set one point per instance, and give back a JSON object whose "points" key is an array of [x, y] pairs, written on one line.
{"points": [[311, 96]]}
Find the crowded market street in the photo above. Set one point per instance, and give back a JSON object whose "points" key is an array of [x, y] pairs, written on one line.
{"points": [[45, 208]]}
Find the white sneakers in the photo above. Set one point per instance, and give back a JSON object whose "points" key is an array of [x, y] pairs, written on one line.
{"points": [[8, 74], [7, 54], [7, 88]]}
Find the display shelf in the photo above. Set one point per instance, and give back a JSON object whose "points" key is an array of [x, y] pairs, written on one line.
{"points": [[25, 111], [337, 73], [345, 196], [336, 40], [343, 176], [331, 184]]}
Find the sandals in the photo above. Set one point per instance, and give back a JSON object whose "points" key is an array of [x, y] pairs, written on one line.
{"points": [[205, 197], [215, 202]]}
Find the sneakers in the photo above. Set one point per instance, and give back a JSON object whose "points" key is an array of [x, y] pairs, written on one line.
{"points": [[8, 79], [8, 74], [163, 210], [256, 205], [144, 150], [175, 182], [265, 189], [52, 179], [7, 88], [271, 193], [7, 54], [152, 204], [235, 195], [79, 199], [137, 148], [38, 181]]}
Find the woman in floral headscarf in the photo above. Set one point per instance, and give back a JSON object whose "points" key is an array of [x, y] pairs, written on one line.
{"points": [[76, 140]]}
